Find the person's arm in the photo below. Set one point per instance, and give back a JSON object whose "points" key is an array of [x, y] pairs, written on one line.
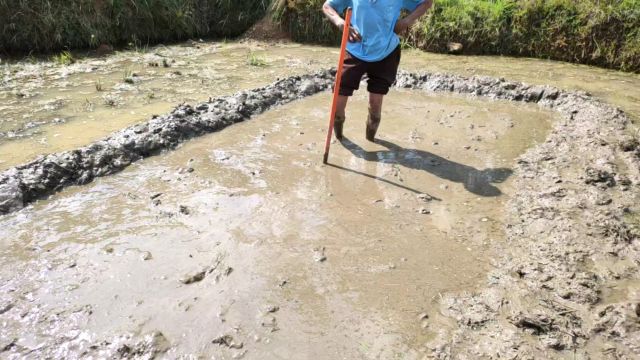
{"points": [[404, 24], [338, 21]]}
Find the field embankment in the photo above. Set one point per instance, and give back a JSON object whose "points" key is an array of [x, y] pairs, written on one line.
{"points": [[603, 33]]}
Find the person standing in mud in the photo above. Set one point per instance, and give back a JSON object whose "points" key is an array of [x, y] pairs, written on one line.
{"points": [[373, 49]]}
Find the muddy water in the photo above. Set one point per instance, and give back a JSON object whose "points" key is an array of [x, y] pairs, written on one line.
{"points": [[245, 233], [615, 87], [47, 107]]}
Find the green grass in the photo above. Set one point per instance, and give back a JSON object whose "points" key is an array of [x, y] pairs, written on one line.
{"points": [[597, 32], [64, 58], [254, 59], [149, 97], [127, 77], [304, 21], [47, 26]]}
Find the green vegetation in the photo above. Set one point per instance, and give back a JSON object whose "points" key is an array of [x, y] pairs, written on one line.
{"points": [[597, 32], [127, 77], [45, 26], [255, 60], [150, 96], [64, 58]]}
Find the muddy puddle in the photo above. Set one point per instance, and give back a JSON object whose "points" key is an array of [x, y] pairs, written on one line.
{"points": [[241, 244]]}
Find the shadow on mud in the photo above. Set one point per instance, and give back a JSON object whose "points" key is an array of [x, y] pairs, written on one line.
{"points": [[479, 182], [415, 191]]}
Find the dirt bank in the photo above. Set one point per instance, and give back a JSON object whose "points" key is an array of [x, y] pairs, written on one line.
{"points": [[572, 31], [570, 242]]}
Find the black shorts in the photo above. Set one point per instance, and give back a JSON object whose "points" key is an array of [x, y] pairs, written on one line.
{"points": [[380, 74]]}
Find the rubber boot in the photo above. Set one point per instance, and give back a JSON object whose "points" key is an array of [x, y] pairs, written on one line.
{"points": [[338, 124], [372, 125]]}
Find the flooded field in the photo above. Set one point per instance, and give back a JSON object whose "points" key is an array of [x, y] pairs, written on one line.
{"points": [[268, 236], [48, 107], [448, 232]]}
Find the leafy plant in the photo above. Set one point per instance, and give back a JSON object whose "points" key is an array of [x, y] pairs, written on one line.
{"points": [[127, 76], [149, 96], [64, 58], [255, 60], [88, 106]]}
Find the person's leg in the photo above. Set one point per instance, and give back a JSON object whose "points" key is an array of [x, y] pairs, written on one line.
{"points": [[382, 75], [342, 105], [341, 116], [352, 73], [375, 115]]}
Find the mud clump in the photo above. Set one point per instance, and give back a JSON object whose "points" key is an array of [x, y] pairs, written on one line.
{"points": [[595, 176], [11, 197], [194, 278], [628, 144], [227, 341], [150, 346]]}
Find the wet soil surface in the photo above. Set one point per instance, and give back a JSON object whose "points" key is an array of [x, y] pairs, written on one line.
{"points": [[48, 107], [242, 243], [472, 229]]}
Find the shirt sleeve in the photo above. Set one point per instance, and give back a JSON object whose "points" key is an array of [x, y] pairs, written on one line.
{"points": [[340, 5], [411, 5]]}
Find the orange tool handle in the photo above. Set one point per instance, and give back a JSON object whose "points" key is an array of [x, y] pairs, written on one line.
{"points": [[336, 89]]}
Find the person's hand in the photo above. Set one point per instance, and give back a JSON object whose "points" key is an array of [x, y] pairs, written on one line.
{"points": [[354, 35], [402, 26]]}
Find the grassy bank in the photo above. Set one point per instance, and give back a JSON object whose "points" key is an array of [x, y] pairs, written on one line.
{"points": [[52, 25], [604, 33]]}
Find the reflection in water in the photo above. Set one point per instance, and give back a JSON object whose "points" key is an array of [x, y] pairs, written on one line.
{"points": [[479, 182]]}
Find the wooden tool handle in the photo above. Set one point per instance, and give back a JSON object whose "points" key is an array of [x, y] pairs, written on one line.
{"points": [[336, 88]]}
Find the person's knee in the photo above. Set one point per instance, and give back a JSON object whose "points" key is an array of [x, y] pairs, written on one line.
{"points": [[341, 105], [375, 109], [375, 103]]}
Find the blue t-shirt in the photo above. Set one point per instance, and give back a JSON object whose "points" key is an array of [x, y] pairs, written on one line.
{"points": [[375, 21]]}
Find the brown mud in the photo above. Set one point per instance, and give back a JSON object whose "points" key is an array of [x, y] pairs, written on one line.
{"points": [[473, 228], [49, 108], [246, 242]]}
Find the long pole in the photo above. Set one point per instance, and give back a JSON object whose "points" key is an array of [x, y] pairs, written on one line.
{"points": [[336, 88]]}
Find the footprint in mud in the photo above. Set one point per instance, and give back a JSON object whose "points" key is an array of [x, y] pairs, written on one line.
{"points": [[479, 182]]}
